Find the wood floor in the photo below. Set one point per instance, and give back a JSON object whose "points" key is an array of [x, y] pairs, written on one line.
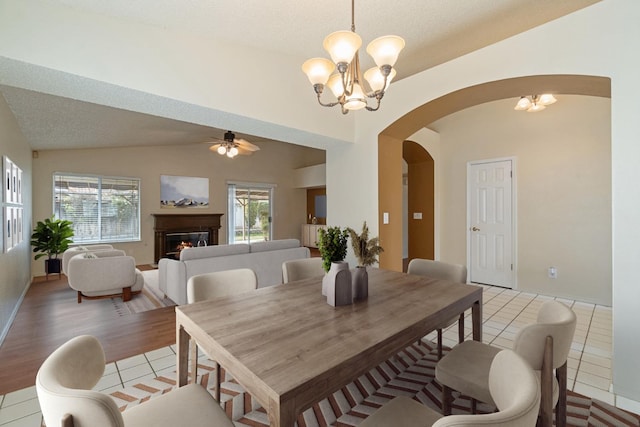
{"points": [[50, 315]]}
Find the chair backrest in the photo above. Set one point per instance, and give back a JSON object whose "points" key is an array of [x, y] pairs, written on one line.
{"points": [[220, 283], [514, 388], [64, 383], [303, 268], [438, 270], [554, 319]]}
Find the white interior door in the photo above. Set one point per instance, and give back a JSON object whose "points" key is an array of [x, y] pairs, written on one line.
{"points": [[490, 218]]}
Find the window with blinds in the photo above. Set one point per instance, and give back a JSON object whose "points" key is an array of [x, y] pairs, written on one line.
{"points": [[102, 209]]}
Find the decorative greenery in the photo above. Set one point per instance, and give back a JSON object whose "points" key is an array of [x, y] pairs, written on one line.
{"points": [[365, 250], [51, 237], [332, 244]]}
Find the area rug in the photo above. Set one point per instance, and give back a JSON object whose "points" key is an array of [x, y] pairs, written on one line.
{"points": [[150, 298], [410, 373]]}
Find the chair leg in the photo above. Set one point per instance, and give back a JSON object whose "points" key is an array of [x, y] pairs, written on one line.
{"points": [[447, 399], [461, 328], [546, 385], [439, 344], [561, 407], [218, 380], [79, 297], [126, 294]]}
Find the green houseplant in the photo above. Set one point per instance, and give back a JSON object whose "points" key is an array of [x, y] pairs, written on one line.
{"points": [[50, 238], [332, 243]]}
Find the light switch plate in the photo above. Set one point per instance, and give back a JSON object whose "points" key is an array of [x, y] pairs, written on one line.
{"points": [[385, 217]]}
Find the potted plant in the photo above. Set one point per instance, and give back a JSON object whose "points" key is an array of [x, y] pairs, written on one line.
{"points": [[367, 251], [332, 243], [336, 284], [50, 238]]}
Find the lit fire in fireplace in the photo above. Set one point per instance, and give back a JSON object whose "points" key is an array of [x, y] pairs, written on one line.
{"points": [[183, 245]]}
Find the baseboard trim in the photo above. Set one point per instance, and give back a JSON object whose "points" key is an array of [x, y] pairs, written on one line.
{"points": [[5, 331]]}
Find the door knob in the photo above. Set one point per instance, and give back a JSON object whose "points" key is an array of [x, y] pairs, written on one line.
{"points": [[475, 229]]}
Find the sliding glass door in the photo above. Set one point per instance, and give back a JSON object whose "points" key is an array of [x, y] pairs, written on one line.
{"points": [[249, 212]]}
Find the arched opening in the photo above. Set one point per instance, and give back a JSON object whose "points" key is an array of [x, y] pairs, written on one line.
{"points": [[390, 141], [420, 200]]}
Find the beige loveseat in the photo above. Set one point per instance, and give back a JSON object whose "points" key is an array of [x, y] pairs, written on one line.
{"points": [[264, 258], [104, 273]]}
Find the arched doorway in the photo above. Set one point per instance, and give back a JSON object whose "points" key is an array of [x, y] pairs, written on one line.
{"points": [[420, 212], [390, 141]]}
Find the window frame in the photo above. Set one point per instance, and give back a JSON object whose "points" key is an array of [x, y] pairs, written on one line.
{"points": [[100, 178]]}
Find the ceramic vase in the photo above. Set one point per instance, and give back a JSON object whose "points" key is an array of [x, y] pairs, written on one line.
{"points": [[338, 284], [330, 275], [360, 283]]}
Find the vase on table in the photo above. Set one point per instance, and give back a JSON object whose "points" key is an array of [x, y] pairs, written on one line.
{"points": [[337, 285], [360, 283]]}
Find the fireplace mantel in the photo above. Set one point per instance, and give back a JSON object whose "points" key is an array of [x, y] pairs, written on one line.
{"points": [[176, 223]]}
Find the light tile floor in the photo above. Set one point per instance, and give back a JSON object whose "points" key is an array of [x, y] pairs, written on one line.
{"points": [[504, 312]]}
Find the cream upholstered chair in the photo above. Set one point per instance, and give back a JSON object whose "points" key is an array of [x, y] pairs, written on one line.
{"points": [[513, 386], [64, 384], [220, 283], [544, 345], [103, 274], [202, 287], [303, 268], [444, 271], [71, 252]]}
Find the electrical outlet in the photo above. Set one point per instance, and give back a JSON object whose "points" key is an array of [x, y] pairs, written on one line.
{"points": [[553, 273]]}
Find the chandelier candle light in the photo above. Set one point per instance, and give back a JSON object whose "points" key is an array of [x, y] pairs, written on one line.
{"points": [[346, 83], [535, 103]]}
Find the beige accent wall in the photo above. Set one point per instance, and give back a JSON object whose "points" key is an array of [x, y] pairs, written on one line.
{"points": [[563, 185], [15, 265], [273, 164]]}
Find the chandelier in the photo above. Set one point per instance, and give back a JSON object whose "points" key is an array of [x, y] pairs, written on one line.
{"points": [[535, 103], [346, 83]]}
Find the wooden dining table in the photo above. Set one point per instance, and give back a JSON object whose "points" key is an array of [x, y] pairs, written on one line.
{"points": [[290, 349]]}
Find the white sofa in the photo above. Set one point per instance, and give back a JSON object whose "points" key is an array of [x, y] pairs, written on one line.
{"points": [[104, 273], [264, 258]]}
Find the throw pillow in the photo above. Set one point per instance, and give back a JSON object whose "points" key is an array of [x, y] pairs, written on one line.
{"points": [[90, 255]]}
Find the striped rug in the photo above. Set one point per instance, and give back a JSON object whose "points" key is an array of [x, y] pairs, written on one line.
{"points": [[410, 373]]}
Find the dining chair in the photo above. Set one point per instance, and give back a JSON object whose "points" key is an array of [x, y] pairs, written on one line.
{"points": [[64, 387], [444, 271], [544, 345], [304, 268], [513, 386], [202, 287]]}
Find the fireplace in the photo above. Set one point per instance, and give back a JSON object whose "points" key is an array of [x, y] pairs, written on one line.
{"points": [[174, 232]]}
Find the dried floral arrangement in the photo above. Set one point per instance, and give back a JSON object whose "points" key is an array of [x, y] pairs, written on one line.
{"points": [[365, 249]]}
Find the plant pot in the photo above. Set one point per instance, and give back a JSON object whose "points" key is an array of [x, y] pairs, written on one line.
{"points": [[338, 284], [52, 266], [360, 283]]}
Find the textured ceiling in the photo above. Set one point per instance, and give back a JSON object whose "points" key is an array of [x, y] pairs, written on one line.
{"points": [[435, 31]]}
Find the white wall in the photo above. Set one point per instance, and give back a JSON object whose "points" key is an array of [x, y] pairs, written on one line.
{"points": [[563, 185], [601, 40], [15, 265]]}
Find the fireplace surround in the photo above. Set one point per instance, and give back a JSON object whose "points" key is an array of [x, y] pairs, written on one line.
{"points": [[173, 232]]}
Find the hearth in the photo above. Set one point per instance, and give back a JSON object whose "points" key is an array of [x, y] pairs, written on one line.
{"points": [[175, 232]]}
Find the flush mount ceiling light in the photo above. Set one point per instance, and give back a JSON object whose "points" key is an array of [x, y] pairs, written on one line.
{"points": [[346, 83], [535, 103]]}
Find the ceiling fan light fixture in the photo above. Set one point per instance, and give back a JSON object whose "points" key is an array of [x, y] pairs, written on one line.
{"points": [[535, 103], [222, 150]]}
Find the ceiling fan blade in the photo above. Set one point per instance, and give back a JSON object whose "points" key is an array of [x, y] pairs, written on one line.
{"points": [[246, 145]]}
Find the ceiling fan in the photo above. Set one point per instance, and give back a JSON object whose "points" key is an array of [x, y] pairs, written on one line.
{"points": [[232, 146]]}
